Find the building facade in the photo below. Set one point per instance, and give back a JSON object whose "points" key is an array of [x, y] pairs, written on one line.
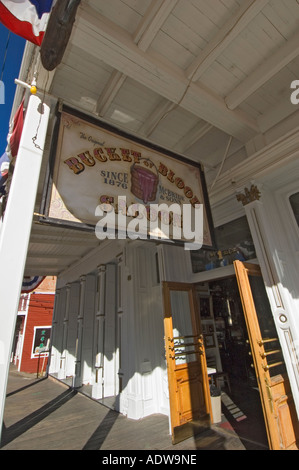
{"points": [[146, 325], [33, 330]]}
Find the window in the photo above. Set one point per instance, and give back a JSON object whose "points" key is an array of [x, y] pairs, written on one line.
{"points": [[233, 241]]}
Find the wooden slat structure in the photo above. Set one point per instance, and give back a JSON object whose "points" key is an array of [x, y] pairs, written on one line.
{"points": [[186, 75], [58, 418]]}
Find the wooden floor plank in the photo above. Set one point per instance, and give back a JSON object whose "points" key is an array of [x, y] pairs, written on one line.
{"points": [[47, 415]]}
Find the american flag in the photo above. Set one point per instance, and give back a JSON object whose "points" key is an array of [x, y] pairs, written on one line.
{"points": [[26, 18], [31, 283]]}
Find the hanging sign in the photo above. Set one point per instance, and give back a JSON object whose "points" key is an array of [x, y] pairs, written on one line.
{"points": [[101, 176]]}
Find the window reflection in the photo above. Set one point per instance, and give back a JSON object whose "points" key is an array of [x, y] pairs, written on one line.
{"points": [[233, 241], [182, 327]]}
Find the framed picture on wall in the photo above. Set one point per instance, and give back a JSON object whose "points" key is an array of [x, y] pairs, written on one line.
{"points": [[209, 341], [41, 341]]}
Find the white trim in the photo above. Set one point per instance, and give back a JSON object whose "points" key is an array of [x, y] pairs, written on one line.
{"points": [[283, 310], [16, 229], [290, 209], [23, 338], [274, 156]]}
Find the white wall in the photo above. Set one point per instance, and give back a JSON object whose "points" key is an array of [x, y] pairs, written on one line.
{"points": [[276, 236], [119, 307]]}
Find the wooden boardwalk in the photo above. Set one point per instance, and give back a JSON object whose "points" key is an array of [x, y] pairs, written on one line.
{"points": [[44, 414]]}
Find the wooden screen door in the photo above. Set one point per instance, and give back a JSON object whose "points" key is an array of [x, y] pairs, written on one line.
{"points": [[277, 403], [186, 364]]}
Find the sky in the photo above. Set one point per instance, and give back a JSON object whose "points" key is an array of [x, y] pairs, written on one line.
{"points": [[11, 72]]}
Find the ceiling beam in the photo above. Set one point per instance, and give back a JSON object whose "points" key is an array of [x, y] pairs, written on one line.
{"points": [[42, 271], [149, 26], [270, 67], [113, 45], [47, 240], [109, 92], [232, 28], [61, 258], [153, 20]]}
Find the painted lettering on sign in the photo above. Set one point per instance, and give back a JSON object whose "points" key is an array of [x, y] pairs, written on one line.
{"points": [[144, 173], [94, 165]]}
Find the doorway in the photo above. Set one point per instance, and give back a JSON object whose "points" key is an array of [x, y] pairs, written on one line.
{"points": [[186, 363], [241, 339], [228, 351]]}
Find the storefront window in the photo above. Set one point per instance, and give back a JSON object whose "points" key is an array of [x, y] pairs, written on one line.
{"points": [[233, 241], [294, 201]]}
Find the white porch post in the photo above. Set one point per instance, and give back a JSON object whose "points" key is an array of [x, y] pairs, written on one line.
{"points": [[269, 252], [16, 228]]}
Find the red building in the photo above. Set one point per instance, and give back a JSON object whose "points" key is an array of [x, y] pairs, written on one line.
{"points": [[33, 330]]}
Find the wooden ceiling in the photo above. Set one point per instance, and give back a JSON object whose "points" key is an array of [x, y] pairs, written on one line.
{"points": [[206, 79]]}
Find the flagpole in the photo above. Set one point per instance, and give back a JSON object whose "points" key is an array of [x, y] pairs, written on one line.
{"points": [[16, 229]]}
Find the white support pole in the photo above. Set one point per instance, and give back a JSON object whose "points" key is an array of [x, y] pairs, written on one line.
{"points": [[16, 228], [284, 314]]}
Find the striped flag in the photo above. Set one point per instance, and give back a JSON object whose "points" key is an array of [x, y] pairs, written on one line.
{"points": [[15, 132], [4, 166], [31, 283], [26, 18]]}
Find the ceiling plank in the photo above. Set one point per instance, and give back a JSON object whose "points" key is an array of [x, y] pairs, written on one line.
{"points": [[152, 22], [282, 57], [276, 114], [154, 18], [157, 115], [195, 134], [44, 77], [113, 86], [232, 28], [113, 45]]}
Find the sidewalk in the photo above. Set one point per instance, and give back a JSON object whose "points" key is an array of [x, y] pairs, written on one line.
{"points": [[44, 414]]}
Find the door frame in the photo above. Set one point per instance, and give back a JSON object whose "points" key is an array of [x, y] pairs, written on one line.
{"points": [[276, 397], [183, 431]]}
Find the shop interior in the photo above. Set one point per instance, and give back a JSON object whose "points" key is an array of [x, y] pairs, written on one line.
{"points": [[228, 351], [225, 332]]}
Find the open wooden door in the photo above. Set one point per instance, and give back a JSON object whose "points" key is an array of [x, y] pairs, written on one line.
{"points": [[279, 411], [186, 363]]}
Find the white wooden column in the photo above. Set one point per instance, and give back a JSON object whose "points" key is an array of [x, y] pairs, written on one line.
{"points": [[97, 388], [77, 379], [16, 228], [109, 331], [87, 372], [52, 367], [72, 329], [62, 366], [119, 332], [284, 316]]}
